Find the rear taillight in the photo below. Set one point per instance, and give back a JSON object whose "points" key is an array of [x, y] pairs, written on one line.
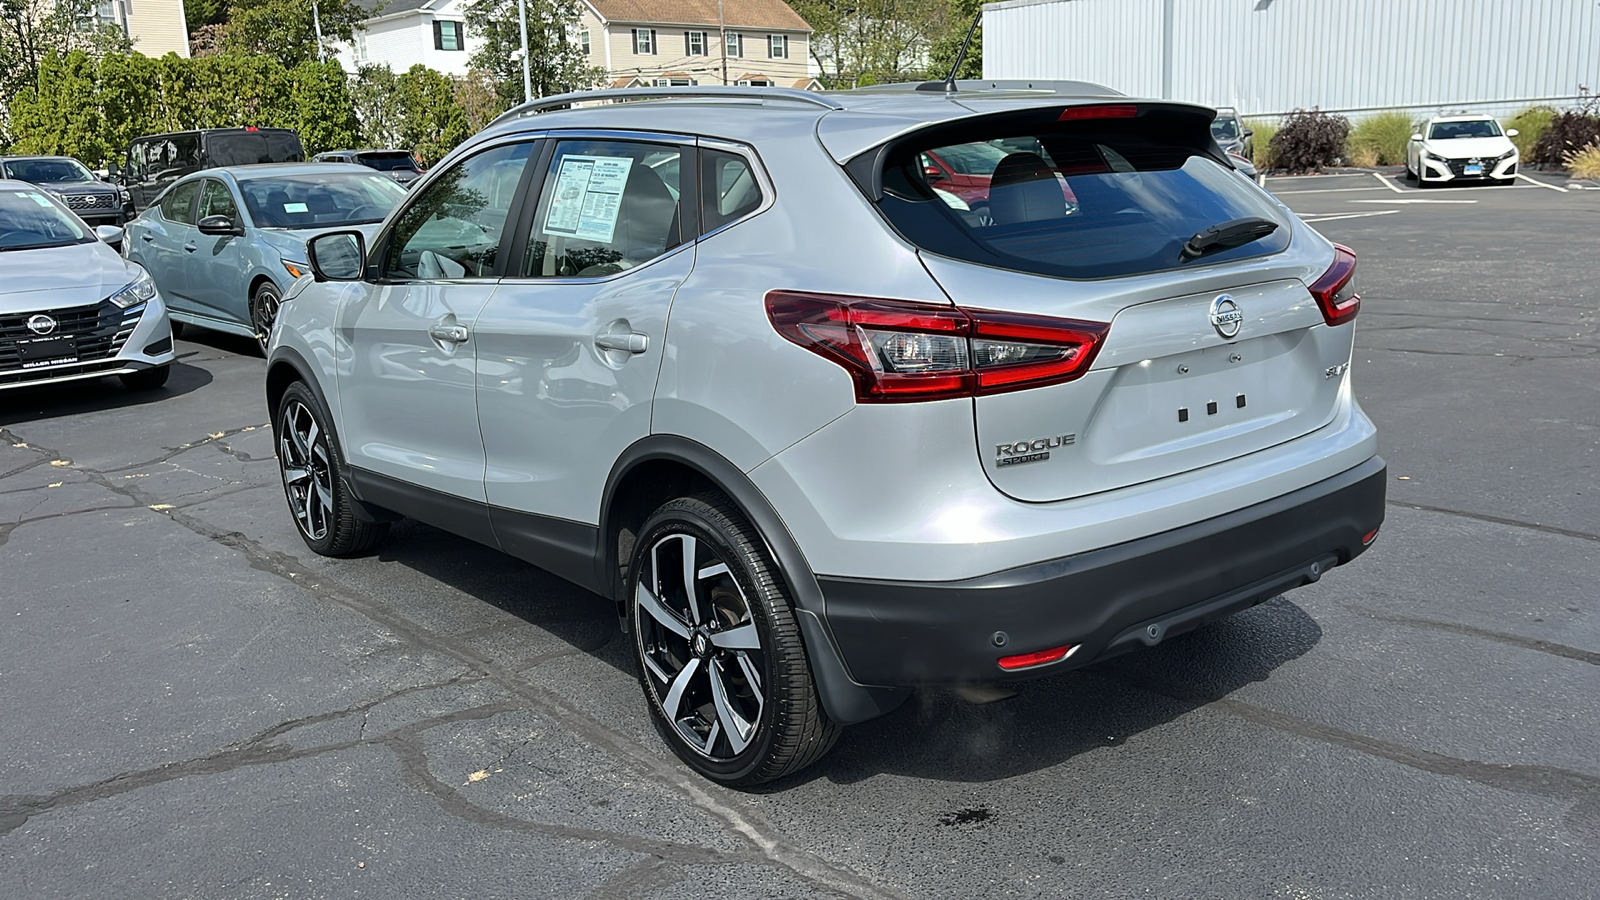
{"points": [[898, 351], [1336, 289]]}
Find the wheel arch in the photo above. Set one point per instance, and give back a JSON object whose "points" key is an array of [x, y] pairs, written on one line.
{"points": [[661, 467]]}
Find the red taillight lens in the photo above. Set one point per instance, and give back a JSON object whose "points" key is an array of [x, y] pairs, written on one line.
{"points": [[1027, 660], [1115, 111], [898, 351], [1336, 289]]}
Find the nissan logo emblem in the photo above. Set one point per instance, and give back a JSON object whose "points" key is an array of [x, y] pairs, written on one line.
{"points": [[41, 324], [1226, 316]]}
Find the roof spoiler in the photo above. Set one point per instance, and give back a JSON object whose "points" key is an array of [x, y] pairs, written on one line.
{"points": [[710, 92], [1044, 86]]}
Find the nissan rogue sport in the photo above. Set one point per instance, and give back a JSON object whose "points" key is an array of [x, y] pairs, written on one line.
{"points": [[823, 431]]}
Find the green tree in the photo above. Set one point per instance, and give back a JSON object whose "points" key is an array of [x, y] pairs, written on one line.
{"points": [[431, 123], [477, 97], [556, 64], [947, 45], [283, 29], [862, 42], [326, 119], [31, 30], [61, 116], [375, 96]]}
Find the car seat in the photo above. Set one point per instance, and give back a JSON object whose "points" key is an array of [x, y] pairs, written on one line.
{"points": [[1024, 189]]}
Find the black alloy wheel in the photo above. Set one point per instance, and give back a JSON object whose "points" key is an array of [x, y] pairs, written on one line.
{"points": [[720, 656], [263, 312], [309, 461]]}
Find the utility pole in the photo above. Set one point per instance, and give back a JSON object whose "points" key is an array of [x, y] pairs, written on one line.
{"points": [[316, 25], [722, 31], [527, 78]]}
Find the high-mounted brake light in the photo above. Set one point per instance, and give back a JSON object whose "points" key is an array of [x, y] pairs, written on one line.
{"points": [[898, 351], [1113, 111], [1336, 289], [251, 128]]}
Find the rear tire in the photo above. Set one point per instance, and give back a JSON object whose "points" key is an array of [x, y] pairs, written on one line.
{"points": [[309, 463], [146, 379], [721, 660], [263, 312]]}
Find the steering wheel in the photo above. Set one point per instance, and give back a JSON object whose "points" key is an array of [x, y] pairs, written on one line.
{"points": [[5, 235], [367, 211]]}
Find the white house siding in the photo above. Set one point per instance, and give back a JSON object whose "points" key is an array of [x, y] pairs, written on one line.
{"points": [[1272, 56], [157, 27], [407, 39]]}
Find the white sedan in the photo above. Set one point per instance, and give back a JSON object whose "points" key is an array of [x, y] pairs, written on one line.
{"points": [[1461, 149]]}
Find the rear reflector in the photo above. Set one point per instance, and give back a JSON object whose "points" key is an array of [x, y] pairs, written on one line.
{"points": [[1336, 289], [1117, 111], [1369, 537], [1028, 660], [898, 351]]}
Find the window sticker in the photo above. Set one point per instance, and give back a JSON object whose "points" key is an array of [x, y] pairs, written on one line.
{"points": [[294, 207], [38, 198], [588, 197]]}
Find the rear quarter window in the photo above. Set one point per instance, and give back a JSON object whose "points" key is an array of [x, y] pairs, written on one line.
{"points": [[1078, 200]]}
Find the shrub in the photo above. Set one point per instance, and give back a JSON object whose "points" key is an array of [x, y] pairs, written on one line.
{"points": [[1569, 132], [1261, 142], [1584, 163], [1309, 140], [1531, 124], [1381, 140]]}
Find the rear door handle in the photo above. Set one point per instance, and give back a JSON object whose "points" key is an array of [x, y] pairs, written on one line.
{"points": [[148, 239], [190, 247], [450, 334], [627, 342]]}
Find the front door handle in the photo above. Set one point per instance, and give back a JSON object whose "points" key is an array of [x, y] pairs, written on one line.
{"points": [[148, 239], [627, 342], [190, 247], [450, 334]]}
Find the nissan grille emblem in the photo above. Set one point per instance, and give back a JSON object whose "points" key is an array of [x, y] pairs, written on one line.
{"points": [[1226, 316], [41, 324]]}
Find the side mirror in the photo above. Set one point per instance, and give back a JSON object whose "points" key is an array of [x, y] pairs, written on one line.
{"points": [[1248, 132], [220, 225], [1511, 132], [111, 235], [934, 173], [1417, 136], [338, 256]]}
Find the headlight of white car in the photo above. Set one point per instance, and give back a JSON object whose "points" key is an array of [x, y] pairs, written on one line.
{"points": [[142, 290]]}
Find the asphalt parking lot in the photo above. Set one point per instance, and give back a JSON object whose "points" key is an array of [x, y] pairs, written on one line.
{"points": [[194, 705]]}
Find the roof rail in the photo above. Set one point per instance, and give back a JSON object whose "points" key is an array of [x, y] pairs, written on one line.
{"points": [[1069, 88], [710, 92]]}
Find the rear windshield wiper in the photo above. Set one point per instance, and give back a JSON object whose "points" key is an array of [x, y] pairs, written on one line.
{"points": [[1226, 236]]}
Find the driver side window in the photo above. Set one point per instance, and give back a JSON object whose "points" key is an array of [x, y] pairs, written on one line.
{"points": [[453, 228], [217, 200]]}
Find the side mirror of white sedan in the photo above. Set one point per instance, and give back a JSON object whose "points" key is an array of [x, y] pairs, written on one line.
{"points": [[1417, 137], [1511, 132]]}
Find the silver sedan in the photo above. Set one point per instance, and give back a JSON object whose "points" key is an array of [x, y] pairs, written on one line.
{"points": [[225, 244]]}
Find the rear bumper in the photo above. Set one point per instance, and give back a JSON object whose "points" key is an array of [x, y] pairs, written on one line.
{"points": [[1103, 602]]}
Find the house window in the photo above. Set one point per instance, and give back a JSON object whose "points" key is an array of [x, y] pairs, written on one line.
{"points": [[674, 82], [778, 46], [644, 41], [694, 43], [583, 41], [735, 44], [448, 36], [361, 47], [755, 82]]}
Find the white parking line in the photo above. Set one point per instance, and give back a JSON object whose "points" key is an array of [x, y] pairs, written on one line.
{"points": [[1387, 183], [1413, 201], [1381, 212], [1327, 191], [1540, 183]]}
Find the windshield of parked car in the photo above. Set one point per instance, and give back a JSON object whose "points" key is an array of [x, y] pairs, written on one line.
{"points": [[47, 171], [320, 200], [30, 220], [1477, 128], [243, 148], [1092, 199], [1225, 128], [397, 160], [971, 159]]}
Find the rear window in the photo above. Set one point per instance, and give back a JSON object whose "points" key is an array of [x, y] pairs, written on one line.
{"points": [[1099, 198], [243, 148], [395, 161]]}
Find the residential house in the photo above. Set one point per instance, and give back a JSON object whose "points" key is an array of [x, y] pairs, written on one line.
{"points": [[156, 27], [687, 42], [403, 33]]}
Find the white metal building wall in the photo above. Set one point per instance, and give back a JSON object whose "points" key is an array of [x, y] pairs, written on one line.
{"points": [[1273, 56]]}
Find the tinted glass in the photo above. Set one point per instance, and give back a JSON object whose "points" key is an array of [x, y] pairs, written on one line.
{"points": [[971, 159], [387, 162], [178, 204], [171, 156], [453, 229], [1225, 128], [216, 200], [1080, 200], [243, 148], [606, 207], [30, 220], [48, 171], [728, 188], [1478, 128], [320, 200]]}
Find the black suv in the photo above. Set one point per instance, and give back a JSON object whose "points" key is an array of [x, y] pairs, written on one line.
{"points": [[397, 164], [95, 202], [156, 160]]}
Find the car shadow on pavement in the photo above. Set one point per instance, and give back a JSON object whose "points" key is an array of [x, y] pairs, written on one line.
{"points": [[938, 735], [30, 404]]}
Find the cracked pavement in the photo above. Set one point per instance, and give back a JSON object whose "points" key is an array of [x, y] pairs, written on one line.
{"points": [[194, 705]]}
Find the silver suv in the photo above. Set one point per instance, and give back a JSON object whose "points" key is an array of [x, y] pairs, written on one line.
{"points": [[822, 429]]}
